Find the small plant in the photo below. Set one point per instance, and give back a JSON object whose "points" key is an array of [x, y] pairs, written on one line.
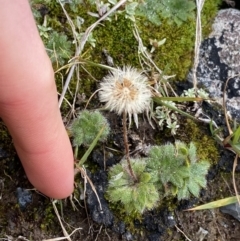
{"points": [[136, 196], [86, 127], [59, 47], [192, 92], [177, 11], [126, 92], [179, 166], [167, 116]]}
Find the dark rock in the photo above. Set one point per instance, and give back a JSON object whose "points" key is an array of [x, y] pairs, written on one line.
{"points": [[119, 227], [169, 220], [156, 223], [24, 197], [128, 236], [230, 4], [186, 204], [226, 161], [3, 153], [219, 60], [106, 160], [154, 237], [232, 209], [150, 223], [99, 212]]}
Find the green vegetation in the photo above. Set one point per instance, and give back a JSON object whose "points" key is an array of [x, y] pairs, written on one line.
{"points": [[169, 169], [179, 165], [167, 31], [175, 11], [175, 23], [59, 48], [136, 196], [86, 126], [207, 148]]}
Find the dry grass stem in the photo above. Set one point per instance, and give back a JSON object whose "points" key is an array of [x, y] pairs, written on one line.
{"points": [[86, 178], [65, 233], [230, 135], [82, 44], [198, 39], [225, 105], [233, 176], [182, 233], [70, 23], [91, 98], [63, 238], [99, 231]]}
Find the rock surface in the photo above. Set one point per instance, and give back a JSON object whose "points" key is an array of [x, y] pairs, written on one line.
{"points": [[219, 60], [24, 197], [232, 209]]}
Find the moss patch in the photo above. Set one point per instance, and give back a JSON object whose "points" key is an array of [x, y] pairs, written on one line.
{"points": [[198, 133]]}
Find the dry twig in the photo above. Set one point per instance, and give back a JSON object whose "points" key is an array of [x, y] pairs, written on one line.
{"points": [[198, 40], [82, 44]]}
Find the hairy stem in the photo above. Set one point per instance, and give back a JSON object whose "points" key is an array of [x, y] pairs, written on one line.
{"points": [[125, 137]]}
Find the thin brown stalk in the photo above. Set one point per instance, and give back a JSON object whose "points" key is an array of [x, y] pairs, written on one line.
{"points": [[225, 106], [182, 233], [125, 137], [233, 176]]}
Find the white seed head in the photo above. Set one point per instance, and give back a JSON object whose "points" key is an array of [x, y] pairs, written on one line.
{"points": [[125, 90]]}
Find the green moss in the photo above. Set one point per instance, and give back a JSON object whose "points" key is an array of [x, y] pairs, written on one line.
{"points": [[49, 218], [198, 133], [209, 11], [116, 36], [175, 55]]}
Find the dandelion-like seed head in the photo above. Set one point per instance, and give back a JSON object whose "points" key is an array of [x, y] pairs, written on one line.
{"points": [[125, 90]]}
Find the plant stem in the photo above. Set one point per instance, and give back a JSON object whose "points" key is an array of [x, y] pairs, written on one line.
{"points": [[125, 137]]}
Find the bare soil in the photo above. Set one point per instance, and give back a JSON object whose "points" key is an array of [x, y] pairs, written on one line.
{"points": [[33, 216]]}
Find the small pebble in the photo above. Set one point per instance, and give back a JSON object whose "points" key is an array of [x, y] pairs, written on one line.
{"points": [[24, 197]]}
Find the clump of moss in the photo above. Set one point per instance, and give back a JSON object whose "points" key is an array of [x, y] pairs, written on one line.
{"points": [[116, 36], [175, 55], [49, 218], [206, 146], [209, 11]]}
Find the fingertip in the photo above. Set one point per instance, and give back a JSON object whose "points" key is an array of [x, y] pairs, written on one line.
{"points": [[50, 168], [63, 190], [55, 178]]}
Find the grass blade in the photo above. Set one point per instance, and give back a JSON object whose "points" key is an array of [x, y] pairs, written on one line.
{"points": [[215, 204], [90, 148]]}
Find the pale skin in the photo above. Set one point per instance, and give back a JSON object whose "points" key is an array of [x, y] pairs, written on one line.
{"points": [[29, 105]]}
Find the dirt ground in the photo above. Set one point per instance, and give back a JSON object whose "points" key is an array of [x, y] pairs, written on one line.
{"points": [[27, 215]]}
